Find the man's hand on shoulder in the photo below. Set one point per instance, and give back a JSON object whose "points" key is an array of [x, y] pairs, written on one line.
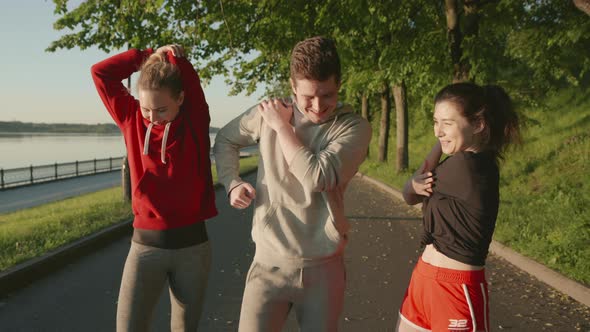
{"points": [[276, 113]]}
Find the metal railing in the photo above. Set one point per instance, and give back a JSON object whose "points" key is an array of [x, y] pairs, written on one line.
{"points": [[15, 177]]}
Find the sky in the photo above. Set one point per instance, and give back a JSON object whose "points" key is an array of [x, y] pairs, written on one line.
{"points": [[38, 86]]}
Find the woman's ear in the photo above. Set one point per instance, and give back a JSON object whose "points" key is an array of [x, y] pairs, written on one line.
{"points": [[180, 99], [479, 126]]}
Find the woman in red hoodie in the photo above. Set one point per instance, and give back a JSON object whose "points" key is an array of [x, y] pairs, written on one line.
{"points": [[166, 133]]}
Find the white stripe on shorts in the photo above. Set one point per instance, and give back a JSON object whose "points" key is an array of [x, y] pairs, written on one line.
{"points": [[470, 307], [485, 308]]}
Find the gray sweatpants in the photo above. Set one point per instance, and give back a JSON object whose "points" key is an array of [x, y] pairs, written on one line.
{"points": [[145, 273], [316, 293]]}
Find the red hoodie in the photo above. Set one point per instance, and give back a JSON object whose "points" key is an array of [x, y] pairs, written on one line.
{"points": [[172, 185]]}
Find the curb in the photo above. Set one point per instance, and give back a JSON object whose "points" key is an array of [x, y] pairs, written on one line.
{"points": [[544, 274], [25, 273], [34, 269]]}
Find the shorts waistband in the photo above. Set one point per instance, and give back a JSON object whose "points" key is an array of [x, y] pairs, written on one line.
{"points": [[449, 275]]}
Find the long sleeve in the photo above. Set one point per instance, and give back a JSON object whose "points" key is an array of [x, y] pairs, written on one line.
{"points": [[194, 97], [107, 76], [240, 132], [337, 163], [455, 176]]}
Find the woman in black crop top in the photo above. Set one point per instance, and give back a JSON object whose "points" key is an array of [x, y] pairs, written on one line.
{"points": [[460, 195]]}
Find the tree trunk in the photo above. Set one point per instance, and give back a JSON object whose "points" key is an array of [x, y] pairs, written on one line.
{"points": [[365, 110], [454, 36], [401, 111], [583, 5], [365, 106], [384, 126]]}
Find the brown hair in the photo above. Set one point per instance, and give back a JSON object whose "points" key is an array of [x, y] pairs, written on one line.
{"points": [[491, 106], [316, 59], [157, 73]]}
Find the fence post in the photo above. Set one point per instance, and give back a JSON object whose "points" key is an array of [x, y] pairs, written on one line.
{"points": [[76, 168], [110, 163], [94, 165], [56, 171], [2, 177], [126, 180]]}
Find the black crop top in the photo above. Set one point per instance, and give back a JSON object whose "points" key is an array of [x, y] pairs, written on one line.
{"points": [[460, 216]]}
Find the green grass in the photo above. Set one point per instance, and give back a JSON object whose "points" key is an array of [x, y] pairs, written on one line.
{"points": [[30, 233], [545, 184]]}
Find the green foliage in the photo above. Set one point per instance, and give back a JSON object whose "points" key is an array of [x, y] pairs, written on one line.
{"points": [[30, 233], [549, 38], [527, 46]]}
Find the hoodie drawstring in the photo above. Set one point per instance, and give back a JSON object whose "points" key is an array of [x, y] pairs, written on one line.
{"points": [[164, 139], [146, 143]]}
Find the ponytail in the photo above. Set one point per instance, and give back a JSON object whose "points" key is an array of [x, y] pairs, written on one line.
{"points": [[501, 120]]}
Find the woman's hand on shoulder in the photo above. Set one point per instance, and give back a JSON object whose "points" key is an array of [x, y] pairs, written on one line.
{"points": [[177, 50], [422, 181], [420, 184]]}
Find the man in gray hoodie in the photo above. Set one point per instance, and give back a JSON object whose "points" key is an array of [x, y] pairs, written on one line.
{"points": [[310, 147]]}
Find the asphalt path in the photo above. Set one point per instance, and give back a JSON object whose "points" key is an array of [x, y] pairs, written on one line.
{"points": [[28, 196], [382, 251]]}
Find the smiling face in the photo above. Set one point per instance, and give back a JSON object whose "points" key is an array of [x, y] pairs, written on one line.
{"points": [[158, 106], [453, 130], [316, 99]]}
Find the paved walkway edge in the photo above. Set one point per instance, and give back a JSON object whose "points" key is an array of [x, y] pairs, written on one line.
{"points": [[27, 272], [554, 279]]}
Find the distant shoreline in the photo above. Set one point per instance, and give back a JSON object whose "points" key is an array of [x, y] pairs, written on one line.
{"points": [[17, 127]]}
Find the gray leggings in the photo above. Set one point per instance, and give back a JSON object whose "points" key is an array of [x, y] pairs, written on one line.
{"points": [[145, 274]]}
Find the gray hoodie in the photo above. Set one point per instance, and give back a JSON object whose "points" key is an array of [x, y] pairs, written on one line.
{"points": [[299, 212]]}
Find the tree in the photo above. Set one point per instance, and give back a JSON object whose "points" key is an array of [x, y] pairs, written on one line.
{"points": [[384, 122], [392, 42], [551, 40], [401, 106]]}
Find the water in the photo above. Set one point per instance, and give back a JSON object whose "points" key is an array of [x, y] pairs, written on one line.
{"points": [[25, 149]]}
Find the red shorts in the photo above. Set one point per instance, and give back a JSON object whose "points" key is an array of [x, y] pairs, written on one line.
{"points": [[440, 299]]}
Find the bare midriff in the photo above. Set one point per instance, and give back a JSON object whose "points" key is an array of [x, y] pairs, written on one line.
{"points": [[436, 258]]}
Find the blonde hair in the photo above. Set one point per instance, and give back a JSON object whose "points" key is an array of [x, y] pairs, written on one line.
{"points": [[157, 73]]}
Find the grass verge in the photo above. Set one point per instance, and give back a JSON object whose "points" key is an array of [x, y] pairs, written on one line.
{"points": [[30, 233], [545, 185]]}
